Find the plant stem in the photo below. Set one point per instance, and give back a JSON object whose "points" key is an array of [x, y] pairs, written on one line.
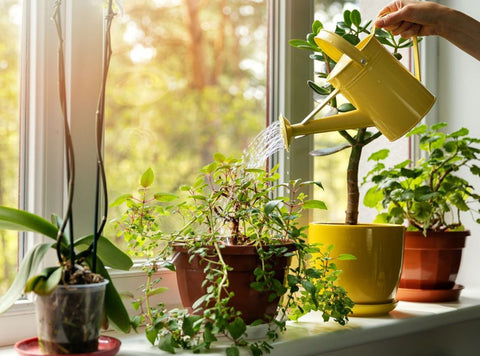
{"points": [[69, 153], [101, 180]]}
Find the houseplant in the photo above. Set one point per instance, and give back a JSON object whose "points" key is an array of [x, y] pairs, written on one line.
{"points": [[370, 296], [66, 292], [231, 209], [430, 196]]}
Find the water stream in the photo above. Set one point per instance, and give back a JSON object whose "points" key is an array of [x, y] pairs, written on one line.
{"points": [[265, 144]]}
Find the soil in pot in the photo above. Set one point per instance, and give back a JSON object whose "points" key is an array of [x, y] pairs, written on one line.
{"points": [[69, 319], [253, 305]]}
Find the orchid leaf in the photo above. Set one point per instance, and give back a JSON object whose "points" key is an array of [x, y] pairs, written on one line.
{"points": [[20, 220], [114, 307], [29, 265], [110, 254]]}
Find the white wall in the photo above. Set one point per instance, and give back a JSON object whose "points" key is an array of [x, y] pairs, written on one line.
{"points": [[458, 97]]}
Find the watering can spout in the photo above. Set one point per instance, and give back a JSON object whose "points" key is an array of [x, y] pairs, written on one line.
{"points": [[344, 121]]}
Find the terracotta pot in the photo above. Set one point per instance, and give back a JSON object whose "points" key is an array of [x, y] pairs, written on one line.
{"points": [[372, 279], [252, 304], [432, 261]]}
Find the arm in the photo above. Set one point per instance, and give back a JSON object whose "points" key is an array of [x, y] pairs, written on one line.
{"points": [[411, 18]]}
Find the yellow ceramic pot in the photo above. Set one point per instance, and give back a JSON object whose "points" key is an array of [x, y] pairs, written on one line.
{"points": [[372, 279]]}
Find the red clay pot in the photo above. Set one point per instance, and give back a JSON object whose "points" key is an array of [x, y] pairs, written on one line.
{"points": [[252, 304], [432, 261]]}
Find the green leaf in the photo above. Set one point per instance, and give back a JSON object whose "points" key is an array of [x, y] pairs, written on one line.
{"points": [[232, 351], [346, 257], [237, 328], [108, 253], [419, 130], [346, 107], [317, 88], [356, 18], [45, 282], [459, 133], [147, 178], [121, 199], [218, 157], [165, 197], [372, 197], [309, 286], [314, 204], [167, 343], [156, 291], [188, 323], [316, 27], [347, 18], [379, 155], [151, 334], [354, 40], [113, 305], [329, 150], [302, 44], [20, 220], [271, 206], [28, 266]]}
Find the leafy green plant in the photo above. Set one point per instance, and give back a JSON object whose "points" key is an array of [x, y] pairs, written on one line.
{"points": [[429, 194], [351, 29], [230, 204], [83, 260]]}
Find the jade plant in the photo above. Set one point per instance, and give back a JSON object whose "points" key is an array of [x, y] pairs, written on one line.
{"points": [[352, 30], [229, 205], [429, 194], [80, 260]]}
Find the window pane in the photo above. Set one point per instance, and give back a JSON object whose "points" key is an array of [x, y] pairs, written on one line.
{"points": [[10, 15], [331, 170], [187, 79]]}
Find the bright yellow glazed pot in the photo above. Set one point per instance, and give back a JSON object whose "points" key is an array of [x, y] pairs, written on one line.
{"points": [[372, 279]]}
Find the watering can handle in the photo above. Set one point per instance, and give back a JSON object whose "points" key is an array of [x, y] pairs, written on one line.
{"points": [[335, 46], [416, 58]]}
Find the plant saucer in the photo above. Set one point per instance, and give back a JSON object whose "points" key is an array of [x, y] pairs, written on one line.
{"points": [[430, 295], [107, 346], [367, 310]]}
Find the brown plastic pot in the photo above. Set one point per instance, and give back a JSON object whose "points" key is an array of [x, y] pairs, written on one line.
{"points": [[431, 262], [243, 260]]}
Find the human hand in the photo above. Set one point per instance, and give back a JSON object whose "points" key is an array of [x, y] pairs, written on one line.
{"points": [[411, 18]]}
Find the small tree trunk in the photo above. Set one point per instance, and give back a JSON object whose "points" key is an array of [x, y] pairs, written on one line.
{"points": [[353, 194]]}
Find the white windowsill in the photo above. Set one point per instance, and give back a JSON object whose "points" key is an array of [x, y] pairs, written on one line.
{"points": [[411, 329]]}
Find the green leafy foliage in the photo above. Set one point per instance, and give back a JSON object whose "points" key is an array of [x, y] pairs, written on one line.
{"points": [[429, 194], [230, 204]]}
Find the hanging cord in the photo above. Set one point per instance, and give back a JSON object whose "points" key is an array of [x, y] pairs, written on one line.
{"points": [[101, 180], [69, 154]]}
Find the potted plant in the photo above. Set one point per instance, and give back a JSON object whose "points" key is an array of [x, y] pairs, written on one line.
{"points": [[372, 280], [430, 196], [70, 295], [238, 239]]}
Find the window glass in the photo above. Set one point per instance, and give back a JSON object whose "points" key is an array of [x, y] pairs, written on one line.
{"points": [[331, 170], [187, 79], [10, 17]]}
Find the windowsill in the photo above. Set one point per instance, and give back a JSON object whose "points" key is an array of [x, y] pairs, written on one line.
{"points": [[412, 328]]}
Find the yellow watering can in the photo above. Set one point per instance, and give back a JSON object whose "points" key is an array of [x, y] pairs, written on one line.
{"points": [[384, 93]]}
